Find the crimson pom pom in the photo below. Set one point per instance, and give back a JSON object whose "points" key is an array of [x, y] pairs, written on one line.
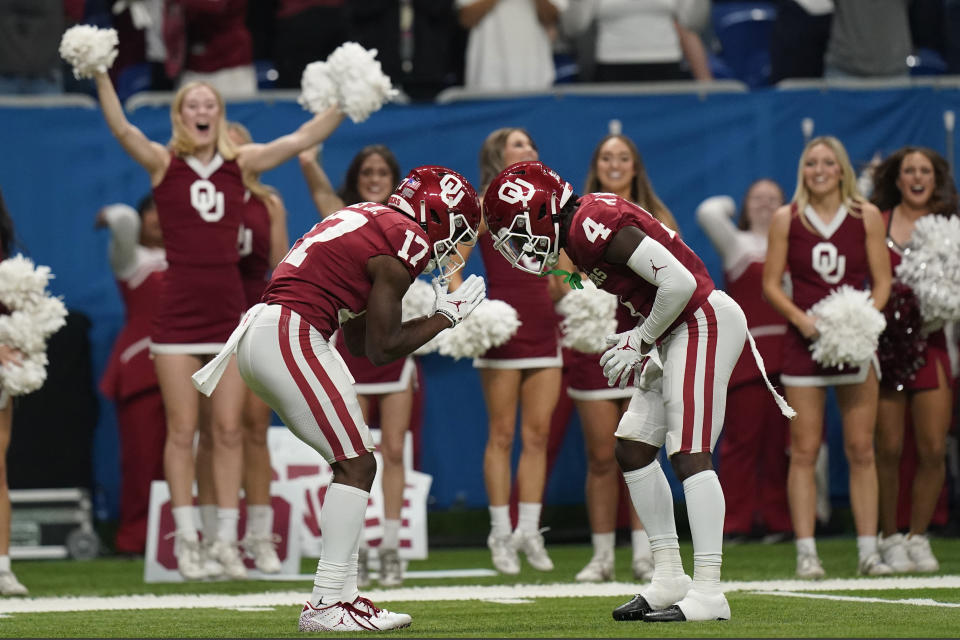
{"points": [[902, 347]]}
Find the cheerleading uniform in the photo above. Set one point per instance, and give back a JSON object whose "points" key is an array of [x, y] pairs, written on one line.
{"points": [[584, 375], [753, 460], [821, 257], [371, 380], [254, 248], [936, 352], [202, 298], [536, 344], [130, 379]]}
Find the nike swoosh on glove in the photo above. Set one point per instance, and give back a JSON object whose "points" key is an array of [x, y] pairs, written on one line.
{"points": [[620, 360], [457, 305]]}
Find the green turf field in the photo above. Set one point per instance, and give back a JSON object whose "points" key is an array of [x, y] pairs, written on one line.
{"points": [[94, 599]]}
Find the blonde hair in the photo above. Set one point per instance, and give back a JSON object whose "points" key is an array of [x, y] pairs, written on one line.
{"points": [[251, 180], [491, 153], [641, 190], [181, 142], [849, 194]]}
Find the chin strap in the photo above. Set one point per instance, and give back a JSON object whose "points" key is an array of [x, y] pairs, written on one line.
{"points": [[573, 279]]}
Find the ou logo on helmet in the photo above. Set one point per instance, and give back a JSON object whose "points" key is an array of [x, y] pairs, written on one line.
{"points": [[515, 191], [451, 190]]}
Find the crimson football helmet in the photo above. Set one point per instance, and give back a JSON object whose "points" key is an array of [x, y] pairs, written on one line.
{"points": [[522, 207], [447, 207]]}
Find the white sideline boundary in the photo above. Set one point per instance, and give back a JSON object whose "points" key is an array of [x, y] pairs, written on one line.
{"points": [[447, 593], [920, 602]]}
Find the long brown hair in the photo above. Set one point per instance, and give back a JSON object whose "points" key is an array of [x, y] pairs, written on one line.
{"points": [[886, 194], [491, 153], [348, 192], [641, 190]]}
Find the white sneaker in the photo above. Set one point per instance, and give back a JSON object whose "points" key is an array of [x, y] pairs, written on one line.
{"points": [[663, 592], [211, 566], [643, 569], [531, 543], [918, 548], [873, 565], [894, 553], [228, 555], [809, 567], [342, 616], [363, 568], [391, 570], [189, 556], [698, 607], [10, 586], [263, 550], [504, 554], [599, 569]]}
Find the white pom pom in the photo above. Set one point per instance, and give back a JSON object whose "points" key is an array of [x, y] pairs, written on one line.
{"points": [[418, 301], [589, 315], [351, 77], [89, 49], [490, 325], [849, 327], [26, 377], [21, 282], [931, 267]]}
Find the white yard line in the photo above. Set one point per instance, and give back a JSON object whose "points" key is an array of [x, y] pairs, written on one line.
{"points": [[921, 602], [466, 592]]}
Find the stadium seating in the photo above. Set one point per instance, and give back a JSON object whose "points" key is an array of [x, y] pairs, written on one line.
{"points": [[743, 29]]}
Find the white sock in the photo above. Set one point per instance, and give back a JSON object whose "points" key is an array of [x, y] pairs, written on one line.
{"points": [[208, 521], [350, 590], [500, 520], [806, 547], [528, 518], [705, 511], [391, 534], [641, 544], [866, 545], [604, 543], [184, 522], [651, 497], [341, 518], [259, 520], [227, 521], [4, 563]]}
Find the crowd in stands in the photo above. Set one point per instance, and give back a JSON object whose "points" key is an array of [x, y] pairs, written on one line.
{"points": [[426, 46]]}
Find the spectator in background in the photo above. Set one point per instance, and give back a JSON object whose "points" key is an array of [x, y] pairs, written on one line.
{"points": [[371, 177], [418, 42], [305, 31], [509, 43], [909, 184], [139, 262], [868, 40], [208, 41], [826, 237], [798, 39], [615, 167], [753, 450], [30, 33], [670, 48], [9, 585], [523, 373]]}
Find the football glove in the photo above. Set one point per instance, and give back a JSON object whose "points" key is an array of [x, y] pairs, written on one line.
{"points": [[622, 358], [457, 305]]}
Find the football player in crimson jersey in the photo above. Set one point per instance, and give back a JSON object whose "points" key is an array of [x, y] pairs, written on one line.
{"points": [[351, 271], [682, 352]]}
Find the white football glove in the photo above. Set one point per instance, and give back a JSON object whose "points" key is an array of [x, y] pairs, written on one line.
{"points": [[622, 358], [457, 305]]}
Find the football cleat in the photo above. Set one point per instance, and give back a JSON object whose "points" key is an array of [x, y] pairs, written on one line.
{"points": [[695, 607], [660, 594], [635, 609], [361, 615]]}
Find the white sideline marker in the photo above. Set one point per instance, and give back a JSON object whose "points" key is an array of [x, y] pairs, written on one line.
{"points": [[514, 592], [922, 602]]}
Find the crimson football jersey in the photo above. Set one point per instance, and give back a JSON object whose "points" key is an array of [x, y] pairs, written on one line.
{"points": [[595, 223], [824, 256], [200, 208], [254, 248], [324, 276]]}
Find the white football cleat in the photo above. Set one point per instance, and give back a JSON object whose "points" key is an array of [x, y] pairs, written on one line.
{"points": [[361, 615]]}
